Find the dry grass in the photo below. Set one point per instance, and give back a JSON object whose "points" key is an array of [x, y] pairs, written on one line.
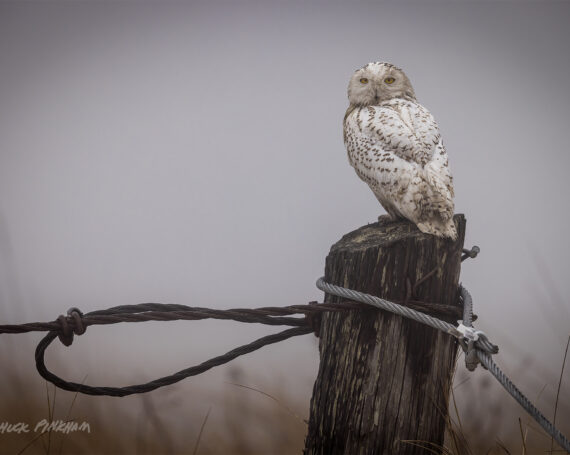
{"points": [[237, 421], [243, 418], [489, 412]]}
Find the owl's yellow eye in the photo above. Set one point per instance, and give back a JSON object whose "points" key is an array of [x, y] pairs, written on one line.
{"points": [[389, 80], [363, 80]]}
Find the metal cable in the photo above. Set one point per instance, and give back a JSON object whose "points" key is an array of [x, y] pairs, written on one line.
{"points": [[482, 343], [521, 399], [478, 345], [490, 365]]}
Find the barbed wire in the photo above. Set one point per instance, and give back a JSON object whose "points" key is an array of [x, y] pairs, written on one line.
{"points": [[477, 347]]}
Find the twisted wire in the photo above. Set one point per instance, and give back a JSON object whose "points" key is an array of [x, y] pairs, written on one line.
{"points": [[477, 348], [77, 323], [167, 380], [171, 312]]}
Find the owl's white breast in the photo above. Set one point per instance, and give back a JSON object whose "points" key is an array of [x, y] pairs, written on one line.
{"points": [[396, 148]]}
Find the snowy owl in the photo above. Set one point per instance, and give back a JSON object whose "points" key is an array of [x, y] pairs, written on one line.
{"points": [[394, 145]]}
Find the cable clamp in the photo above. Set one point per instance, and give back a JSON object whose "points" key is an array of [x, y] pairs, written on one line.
{"points": [[467, 337], [465, 333], [468, 333]]}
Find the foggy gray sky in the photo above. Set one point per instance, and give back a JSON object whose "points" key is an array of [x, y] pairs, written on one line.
{"points": [[192, 153]]}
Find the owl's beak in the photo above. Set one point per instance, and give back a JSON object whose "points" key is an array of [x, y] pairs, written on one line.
{"points": [[377, 96]]}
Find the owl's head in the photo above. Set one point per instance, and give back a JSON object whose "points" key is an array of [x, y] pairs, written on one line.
{"points": [[378, 82]]}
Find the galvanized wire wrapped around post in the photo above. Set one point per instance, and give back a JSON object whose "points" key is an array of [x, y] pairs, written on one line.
{"points": [[477, 343]]}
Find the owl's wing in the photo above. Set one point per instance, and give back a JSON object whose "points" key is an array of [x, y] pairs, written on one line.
{"points": [[397, 149], [387, 173], [438, 170], [405, 129], [409, 131], [440, 181]]}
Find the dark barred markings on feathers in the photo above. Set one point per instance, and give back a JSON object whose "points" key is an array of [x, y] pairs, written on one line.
{"points": [[395, 146]]}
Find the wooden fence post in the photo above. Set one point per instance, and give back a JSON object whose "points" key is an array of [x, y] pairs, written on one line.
{"points": [[383, 382]]}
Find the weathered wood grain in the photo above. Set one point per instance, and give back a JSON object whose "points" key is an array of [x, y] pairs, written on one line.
{"points": [[383, 379]]}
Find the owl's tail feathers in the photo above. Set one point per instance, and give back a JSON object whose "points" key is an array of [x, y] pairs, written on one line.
{"points": [[440, 199], [439, 227]]}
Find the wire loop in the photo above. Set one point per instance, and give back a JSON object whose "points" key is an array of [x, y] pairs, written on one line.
{"points": [[475, 343]]}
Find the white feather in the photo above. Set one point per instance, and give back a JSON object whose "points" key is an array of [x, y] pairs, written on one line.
{"points": [[395, 146]]}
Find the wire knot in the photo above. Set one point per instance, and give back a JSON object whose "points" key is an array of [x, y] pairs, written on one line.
{"points": [[70, 325]]}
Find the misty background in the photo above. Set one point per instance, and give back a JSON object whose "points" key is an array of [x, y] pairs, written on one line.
{"points": [[192, 153]]}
